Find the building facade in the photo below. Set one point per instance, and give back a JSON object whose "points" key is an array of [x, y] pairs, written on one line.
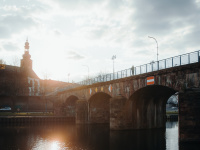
{"points": [[20, 81], [21, 88]]}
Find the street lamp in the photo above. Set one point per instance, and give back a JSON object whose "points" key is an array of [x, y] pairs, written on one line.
{"points": [[113, 58], [68, 77], [156, 43], [88, 70]]}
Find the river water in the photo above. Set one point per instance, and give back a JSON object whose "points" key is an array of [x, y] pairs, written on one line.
{"points": [[87, 137]]}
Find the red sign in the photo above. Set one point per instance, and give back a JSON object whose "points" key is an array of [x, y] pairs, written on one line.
{"points": [[150, 80]]}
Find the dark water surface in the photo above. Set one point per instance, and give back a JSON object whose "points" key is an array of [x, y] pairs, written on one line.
{"points": [[87, 137]]}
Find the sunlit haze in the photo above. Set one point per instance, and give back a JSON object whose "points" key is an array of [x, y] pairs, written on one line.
{"points": [[66, 36]]}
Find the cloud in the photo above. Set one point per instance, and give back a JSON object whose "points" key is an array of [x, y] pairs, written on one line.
{"points": [[98, 29], [57, 32], [98, 32], [19, 16], [116, 4], [74, 55], [12, 24], [23, 7], [161, 17], [188, 41], [10, 8], [75, 4], [9, 46]]}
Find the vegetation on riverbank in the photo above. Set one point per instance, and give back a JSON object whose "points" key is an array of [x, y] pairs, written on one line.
{"points": [[172, 112]]}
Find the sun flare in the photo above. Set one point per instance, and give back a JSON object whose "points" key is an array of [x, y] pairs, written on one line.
{"points": [[54, 145]]}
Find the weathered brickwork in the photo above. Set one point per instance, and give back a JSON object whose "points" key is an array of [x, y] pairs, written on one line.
{"points": [[81, 112], [120, 113], [189, 115]]}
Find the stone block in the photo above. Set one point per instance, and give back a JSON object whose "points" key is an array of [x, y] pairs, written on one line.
{"points": [[189, 115]]}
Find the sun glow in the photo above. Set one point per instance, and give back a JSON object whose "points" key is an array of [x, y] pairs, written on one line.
{"points": [[42, 144], [54, 145], [51, 64]]}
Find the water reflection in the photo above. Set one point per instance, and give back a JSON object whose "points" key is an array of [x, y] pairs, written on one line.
{"points": [[87, 137], [171, 136], [138, 139], [172, 124]]}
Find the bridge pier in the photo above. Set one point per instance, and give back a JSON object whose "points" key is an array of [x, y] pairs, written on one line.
{"points": [[120, 113], [81, 111], [189, 115], [148, 113]]}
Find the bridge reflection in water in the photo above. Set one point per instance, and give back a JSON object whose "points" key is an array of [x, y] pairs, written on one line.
{"points": [[88, 137]]}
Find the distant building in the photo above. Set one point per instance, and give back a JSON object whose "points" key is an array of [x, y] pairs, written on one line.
{"points": [[23, 81], [20, 81], [22, 90]]}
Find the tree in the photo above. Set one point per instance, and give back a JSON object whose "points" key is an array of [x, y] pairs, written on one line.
{"points": [[15, 61], [2, 61]]}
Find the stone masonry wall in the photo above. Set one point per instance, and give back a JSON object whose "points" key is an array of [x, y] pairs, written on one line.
{"points": [[189, 116]]}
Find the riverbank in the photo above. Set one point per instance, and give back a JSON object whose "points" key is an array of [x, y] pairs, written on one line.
{"points": [[34, 119], [26, 114]]}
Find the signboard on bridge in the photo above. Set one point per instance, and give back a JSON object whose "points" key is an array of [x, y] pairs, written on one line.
{"points": [[110, 88], [90, 91], [150, 80]]}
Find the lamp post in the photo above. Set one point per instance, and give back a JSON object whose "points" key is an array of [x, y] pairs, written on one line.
{"points": [[88, 70], [68, 77], [113, 58], [156, 43]]}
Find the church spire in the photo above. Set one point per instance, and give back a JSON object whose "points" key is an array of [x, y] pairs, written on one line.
{"points": [[26, 62], [26, 47]]}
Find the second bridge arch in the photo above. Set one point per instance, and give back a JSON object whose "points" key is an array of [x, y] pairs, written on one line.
{"points": [[99, 108]]}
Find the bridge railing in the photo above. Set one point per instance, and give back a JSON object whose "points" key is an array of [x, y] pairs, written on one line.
{"points": [[179, 60]]}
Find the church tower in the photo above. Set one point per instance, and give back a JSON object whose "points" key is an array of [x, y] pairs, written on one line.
{"points": [[26, 62]]}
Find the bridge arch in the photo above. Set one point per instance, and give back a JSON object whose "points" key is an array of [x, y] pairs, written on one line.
{"points": [[70, 106], [149, 106], [99, 108]]}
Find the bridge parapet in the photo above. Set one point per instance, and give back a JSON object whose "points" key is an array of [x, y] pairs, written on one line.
{"points": [[177, 78], [180, 60]]}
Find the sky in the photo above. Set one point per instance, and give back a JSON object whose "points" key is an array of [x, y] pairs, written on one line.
{"points": [[69, 38]]}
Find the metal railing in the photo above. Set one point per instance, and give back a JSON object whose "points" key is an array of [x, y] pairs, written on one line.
{"points": [[179, 60]]}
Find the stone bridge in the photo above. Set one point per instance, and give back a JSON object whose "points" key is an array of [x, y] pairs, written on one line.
{"points": [[130, 103]]}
